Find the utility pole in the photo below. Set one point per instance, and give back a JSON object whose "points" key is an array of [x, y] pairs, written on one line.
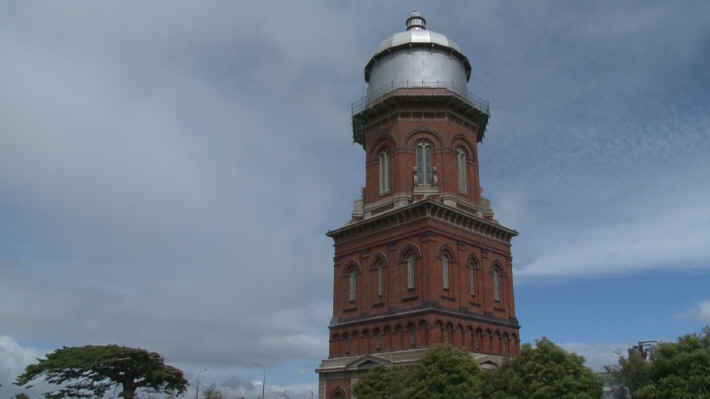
{"points": [[263, 385], [197, 383]]}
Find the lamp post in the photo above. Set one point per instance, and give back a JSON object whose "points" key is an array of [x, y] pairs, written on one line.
{"points": [[197, 383], [263, 382]]}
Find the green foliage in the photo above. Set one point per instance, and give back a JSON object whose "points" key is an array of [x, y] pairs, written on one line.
{"points": [[21, 396], [631, 373], [446, 373], [90, 371], [544, 372], [383, 383], [212, 393], [443, 372], [680, 369]]}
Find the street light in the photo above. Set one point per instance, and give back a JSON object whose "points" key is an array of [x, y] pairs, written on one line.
{"points": [[263, 382], [197, 383]]}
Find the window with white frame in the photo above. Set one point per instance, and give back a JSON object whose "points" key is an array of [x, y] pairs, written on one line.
{"points": [[384, 172], [380, 277], [425, 170], [445, 271], [461, 163], [410, 271], [472, 270], [496, 285], [353, 286]]}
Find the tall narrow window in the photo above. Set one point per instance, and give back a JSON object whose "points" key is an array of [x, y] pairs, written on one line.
{"points": [[379, 280], [412, 337], [410, 272], [472, 280], [347, 343], [384, 172], [425, 172], [461, 162], [378, 342], [472, 271], [353, 285], [496, 287], [445, 271]]}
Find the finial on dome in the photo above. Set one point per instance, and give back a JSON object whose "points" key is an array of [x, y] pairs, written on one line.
{"points": [[415, 21]]}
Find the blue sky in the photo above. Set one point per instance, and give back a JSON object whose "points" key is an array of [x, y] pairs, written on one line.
{"points": [[168, 171]]}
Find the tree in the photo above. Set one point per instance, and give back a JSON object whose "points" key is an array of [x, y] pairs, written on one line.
{"points": [[212, 393], [443, 372], [446, 373], [544, 372], [21, 396], [679, 369], [632, 373], [383, 383], [90, 371]]}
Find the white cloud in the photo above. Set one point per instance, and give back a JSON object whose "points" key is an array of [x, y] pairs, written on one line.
{"points": [[174, 166], [652, 227], [703, 311], [597, 355], [13, 360]]}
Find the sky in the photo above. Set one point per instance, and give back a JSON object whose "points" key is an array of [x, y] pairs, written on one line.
{"points": [[168, 170]]}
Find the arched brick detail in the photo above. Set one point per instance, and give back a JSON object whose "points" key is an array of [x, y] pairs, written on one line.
{"points": [[409, 248], [422, 132], [382, 141], [446, 250]]}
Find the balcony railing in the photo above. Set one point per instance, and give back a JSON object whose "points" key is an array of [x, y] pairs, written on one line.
{"points": [[377, 95]]}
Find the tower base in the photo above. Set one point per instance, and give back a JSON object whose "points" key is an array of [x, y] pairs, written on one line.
{"points": [[337, 376]]}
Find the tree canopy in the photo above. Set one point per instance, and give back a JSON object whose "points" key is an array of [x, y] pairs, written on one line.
{"points": [[90, 371], [632, 373], [443, 372], [383, 383], [543, 372], [679, 369]]}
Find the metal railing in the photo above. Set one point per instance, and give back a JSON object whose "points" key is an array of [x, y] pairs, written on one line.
{"points": [[378, 94]]}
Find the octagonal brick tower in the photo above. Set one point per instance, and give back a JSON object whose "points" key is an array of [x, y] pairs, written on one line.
{"points": [[423, 260]]}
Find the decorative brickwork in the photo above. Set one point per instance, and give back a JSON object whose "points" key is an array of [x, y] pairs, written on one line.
{"points": [[423, 260]]}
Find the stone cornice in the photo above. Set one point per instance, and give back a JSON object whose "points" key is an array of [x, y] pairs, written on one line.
{"points": [[428, 96], [427, 309], [421, 210]]}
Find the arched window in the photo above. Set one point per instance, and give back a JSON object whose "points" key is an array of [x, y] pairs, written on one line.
{"points": [[461, 163], [353, 285], [384, 172], [425, 171], [472, 270], [496, 285], [410, 271], [445, 271], [380, 277]]}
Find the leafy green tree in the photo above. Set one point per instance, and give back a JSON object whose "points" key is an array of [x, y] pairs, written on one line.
{"points": [[443, 372], [383, 383], [679, 369], [544, 372], [446, 373], [90, 371], [631, 374], [212, 393]]}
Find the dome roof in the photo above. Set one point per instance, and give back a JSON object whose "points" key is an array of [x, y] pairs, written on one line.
{"points": [[416, 35]]}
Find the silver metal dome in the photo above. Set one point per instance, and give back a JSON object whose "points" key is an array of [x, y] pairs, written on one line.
{"points": [[416, 57]]}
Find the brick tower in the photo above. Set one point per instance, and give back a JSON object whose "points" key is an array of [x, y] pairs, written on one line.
{"points": [[422, 261]]}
